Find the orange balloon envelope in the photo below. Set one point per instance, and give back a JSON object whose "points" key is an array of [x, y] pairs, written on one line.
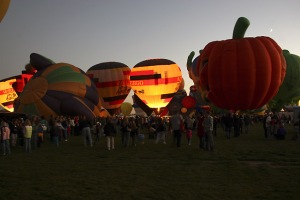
{"points": [[241, 73]]}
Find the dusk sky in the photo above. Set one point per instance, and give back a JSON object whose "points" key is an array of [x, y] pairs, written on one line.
{"points": [[85, 33]]}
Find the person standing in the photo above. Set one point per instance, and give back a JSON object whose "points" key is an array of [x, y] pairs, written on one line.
{"points": [[200, 131], [27, 135], [34, 136], [45, 126], [228, 123], [161, 131], [5, 136], [247, 121], [208, 124], [176, 124], [57, 131], [14, 132], [110, 134], [85, 125], [268, 126], [125, 131], [40, 133], [188, 124], [216, 119], [20, 132]]}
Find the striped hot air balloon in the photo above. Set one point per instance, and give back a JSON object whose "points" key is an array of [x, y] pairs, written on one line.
{"points": [[112, 82], [7, 94], [58, 89], [155, 81]]}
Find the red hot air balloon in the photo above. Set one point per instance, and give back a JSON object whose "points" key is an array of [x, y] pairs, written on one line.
{"points": [[188, 102]]}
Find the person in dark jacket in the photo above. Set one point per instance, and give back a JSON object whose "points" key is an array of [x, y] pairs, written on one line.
{"points": [[110, 133], [228, 122], [85, 126]]}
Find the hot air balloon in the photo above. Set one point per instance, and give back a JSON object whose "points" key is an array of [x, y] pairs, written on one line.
{"points": [[112, 82], [126, 108], [290, 87], [7, 94], [155, 81], [58, 89], [188, 102], [241, 73], [4, 4], [11, 87], [181, 87]]}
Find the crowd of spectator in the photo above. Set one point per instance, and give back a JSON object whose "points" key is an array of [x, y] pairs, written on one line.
{"points": [[31, 132]]}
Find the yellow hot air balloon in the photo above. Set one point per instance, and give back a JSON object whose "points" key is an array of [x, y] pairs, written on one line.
{"points": [[155, 81], [4, 4], [126, 108], [7, 94]]}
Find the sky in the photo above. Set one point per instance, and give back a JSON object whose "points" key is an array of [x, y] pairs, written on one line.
{"points": [[85, 33]]}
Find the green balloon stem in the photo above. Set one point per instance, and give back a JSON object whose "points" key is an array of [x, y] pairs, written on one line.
{"points": [[190, 60], [240, 28]]}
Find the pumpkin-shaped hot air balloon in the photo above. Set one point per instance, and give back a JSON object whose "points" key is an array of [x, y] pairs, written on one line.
{"points": [[58, 89], [241, 73], [155, 81], [112, 82], [4, 4]]}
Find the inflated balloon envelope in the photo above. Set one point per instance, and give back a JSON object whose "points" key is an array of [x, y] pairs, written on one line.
{"points": [[241, 73], [7, 94], [290, 87], [112, 82], [58, 89], [155, 81]]}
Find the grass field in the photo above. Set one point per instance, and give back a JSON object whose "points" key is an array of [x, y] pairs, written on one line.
{"points": [[247, 167]]}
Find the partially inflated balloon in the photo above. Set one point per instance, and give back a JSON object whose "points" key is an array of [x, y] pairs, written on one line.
{"points": [[59, 89], [290, 87], [112, 82]]}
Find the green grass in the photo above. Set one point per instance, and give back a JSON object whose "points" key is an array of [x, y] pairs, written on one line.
{"points": [[247, 167]]}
